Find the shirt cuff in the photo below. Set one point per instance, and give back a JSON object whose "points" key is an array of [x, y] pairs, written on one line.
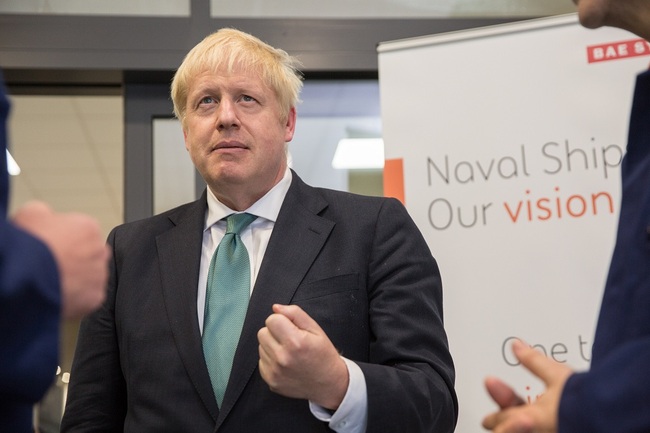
{"points": [[352, 414]]}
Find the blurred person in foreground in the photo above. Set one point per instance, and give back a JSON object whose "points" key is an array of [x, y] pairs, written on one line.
{"points": [[52, 266], [614, 395], [343, 326]]}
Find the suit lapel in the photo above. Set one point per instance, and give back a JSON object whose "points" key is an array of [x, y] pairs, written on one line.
{"points": [[179, 252], [298, 236]]}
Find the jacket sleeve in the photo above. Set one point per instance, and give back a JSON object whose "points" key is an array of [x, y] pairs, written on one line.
{"points": [[410, 376], [29, 302], [29, 317], [612, 396]]}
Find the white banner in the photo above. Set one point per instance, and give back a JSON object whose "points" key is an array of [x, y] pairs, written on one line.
{"points": [[505, 145]]}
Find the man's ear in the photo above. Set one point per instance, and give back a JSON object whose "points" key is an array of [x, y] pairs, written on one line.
{"points": [[187, 147], [290, 127]]}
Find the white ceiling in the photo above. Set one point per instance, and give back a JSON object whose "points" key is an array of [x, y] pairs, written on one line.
{"points": [[70, 151], [298, 9]]}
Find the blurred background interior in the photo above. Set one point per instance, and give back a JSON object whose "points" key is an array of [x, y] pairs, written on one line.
{"points": [[91, 125]]}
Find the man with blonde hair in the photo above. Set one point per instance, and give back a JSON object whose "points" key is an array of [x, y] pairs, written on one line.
{"points": [[339, 325]]}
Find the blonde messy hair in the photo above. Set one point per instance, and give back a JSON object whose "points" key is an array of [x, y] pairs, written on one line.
{"points": [[229, 48]]}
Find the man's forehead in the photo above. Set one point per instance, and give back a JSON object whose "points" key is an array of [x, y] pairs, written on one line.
{"points": [[237, 77]]}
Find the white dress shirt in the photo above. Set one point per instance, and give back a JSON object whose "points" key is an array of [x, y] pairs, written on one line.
{"points": [[351, 416]]}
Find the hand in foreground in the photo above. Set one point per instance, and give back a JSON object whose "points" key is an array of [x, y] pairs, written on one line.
{"points": [[538, 417], [79, 249], [298, 360]]}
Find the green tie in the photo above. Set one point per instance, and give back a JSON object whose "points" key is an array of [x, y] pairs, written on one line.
{"points": [[226, 302]]}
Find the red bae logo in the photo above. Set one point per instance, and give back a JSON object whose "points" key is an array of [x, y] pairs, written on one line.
{"points": [[618, 50]]}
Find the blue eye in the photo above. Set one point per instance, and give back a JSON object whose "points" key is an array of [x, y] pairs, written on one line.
{"points": [[206, 100]]}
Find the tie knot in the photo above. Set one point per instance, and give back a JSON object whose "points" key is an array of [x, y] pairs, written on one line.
{"points": [[237, 222]]}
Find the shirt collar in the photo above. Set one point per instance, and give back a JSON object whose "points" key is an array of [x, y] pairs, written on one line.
{"points": [[267, 207]]}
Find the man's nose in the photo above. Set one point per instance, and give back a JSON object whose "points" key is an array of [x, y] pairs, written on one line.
{"points": [[227, 114]]}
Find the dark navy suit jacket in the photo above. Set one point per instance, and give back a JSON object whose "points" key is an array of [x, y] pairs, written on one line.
{"points": [[29, 310], [358, 265], [614, 395]]}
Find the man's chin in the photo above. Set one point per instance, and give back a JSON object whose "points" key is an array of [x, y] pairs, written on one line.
{"points": [[590, 23], [591, 19]]}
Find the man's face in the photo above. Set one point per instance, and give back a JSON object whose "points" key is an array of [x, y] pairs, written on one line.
{"points": [[235, 136]]}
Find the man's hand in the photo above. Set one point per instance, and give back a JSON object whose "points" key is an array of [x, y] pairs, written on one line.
{"points": [[537, 417], [79, 249], [298, 360]]}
